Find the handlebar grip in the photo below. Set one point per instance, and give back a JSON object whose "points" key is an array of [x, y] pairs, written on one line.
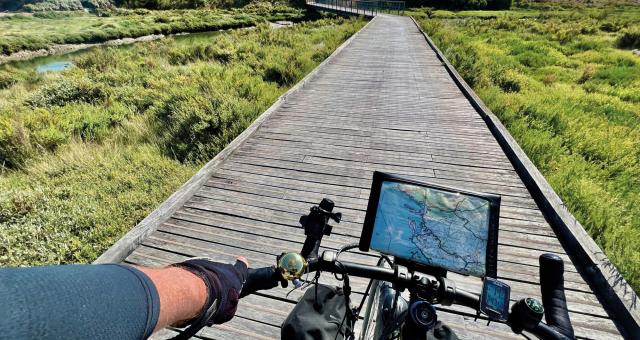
{"points": [[553, 297], [260, 279], [467, 299], [543, 331]]}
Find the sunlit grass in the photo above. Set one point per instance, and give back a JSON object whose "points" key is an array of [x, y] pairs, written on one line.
{"points": [[90, 152], [569, 94], [26, 32]]}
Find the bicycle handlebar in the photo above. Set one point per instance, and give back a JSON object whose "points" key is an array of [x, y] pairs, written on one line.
{"points": [[260, 279], [268, 277], [553, 298], [316, 226]]}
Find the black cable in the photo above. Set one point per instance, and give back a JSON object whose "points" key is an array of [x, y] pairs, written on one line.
{"points": [[347, 247], [341, 250], [366, 294], [356, 312], [349, 312], [316, 280], [366, 291], [386, 258]]}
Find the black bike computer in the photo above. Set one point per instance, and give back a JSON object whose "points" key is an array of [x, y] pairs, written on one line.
{"points": [[432, 227], [494, 300]]}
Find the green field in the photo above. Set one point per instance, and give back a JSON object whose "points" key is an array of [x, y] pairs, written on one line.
{"points": [[41, 30], [566, 84], [89, 152]]}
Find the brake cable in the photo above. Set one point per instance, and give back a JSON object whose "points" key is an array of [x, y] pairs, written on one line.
{"points": [[346, 287]]}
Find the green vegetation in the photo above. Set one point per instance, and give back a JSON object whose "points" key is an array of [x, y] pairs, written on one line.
{"points": [[42, 30], [560, 82], [461, 4], [78, 5], [182, 4], [89, 152], [53, 5]]}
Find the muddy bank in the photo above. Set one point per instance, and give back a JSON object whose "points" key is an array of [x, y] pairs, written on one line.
{"points": [[67, 48]]}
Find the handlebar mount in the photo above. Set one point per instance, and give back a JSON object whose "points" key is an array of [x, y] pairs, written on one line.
{"points": [[526, 314], [316, 225]]}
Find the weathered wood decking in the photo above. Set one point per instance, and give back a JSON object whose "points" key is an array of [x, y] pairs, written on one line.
{"points": [[384, 102]]}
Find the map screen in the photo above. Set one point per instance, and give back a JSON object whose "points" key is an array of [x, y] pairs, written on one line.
{"points": [[432, 227]]}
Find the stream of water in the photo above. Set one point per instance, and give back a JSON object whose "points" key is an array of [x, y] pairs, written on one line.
{"points": [[61, 62]]}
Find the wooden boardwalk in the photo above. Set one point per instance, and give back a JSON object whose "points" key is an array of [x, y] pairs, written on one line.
{"points": [[384, 102]]}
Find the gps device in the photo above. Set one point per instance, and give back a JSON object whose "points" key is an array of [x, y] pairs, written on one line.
{"points": [[432, 226], [494, 300]]}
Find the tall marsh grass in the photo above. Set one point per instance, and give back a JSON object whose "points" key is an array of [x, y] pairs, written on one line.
{"points": [[570, 96], [21, 32], [88, 153]]}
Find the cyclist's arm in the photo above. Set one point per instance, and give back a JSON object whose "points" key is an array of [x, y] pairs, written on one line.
{"points": [[96, 301], [182, 294]]}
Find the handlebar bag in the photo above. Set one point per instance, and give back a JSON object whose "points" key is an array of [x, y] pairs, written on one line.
{"points": [[319, 319]]}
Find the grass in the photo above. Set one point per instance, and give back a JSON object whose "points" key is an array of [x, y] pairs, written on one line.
{"points": [[567, 87], [42, 30], [91, 151]]}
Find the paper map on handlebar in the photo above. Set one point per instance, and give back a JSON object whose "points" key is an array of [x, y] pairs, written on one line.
{"points": [[432, 227]]}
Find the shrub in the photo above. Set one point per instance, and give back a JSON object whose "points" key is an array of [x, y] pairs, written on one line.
{"points": [[68, 91], [6, 80], [616, 75], [498, 4], [532, 59], [587, 74], [566, 35], [507, 81], [629, 39], [279, 69], [94, 149], [462, 4], [549, 79], [14, 143], [200, 52], [53, 5], [101, 59], [505, 24], [194, 127], [610, 27]]}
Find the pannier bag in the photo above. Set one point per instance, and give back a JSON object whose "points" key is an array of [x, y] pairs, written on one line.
{"points": [[318, 321]]}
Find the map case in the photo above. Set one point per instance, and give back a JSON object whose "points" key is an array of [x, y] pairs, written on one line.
{"points": [[434, 226]]}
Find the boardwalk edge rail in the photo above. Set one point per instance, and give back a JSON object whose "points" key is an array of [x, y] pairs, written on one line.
{"points": [[132, 239], [613, 290]]}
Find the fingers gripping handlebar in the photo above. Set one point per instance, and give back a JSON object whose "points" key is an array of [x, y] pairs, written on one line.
{"points": [[260, 279]]}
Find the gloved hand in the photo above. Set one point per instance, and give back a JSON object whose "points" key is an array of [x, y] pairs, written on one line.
{"points": [[224, 283]]}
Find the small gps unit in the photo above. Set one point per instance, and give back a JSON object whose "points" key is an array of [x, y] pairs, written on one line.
{"points": [[494, 301], [432, 226]]}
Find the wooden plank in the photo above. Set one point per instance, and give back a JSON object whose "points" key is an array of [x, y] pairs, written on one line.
{"points": [[297, 203], [226, 257], [400, 111], [324, 188], [617, 295], [127, 243]]}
